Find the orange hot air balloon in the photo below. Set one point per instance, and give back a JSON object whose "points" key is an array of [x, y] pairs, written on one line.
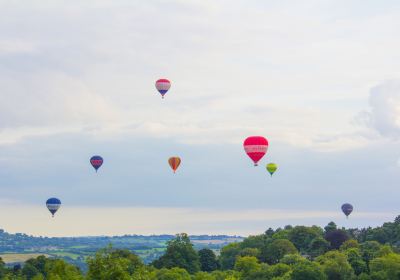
{"points": [[174, 162]]}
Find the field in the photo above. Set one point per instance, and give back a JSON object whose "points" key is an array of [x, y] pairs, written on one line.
{"points": [[18, 258]]}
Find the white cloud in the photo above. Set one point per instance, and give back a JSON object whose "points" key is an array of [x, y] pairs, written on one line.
{"points": [[384, 112]]}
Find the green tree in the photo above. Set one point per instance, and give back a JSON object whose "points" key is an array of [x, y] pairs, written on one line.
{"points": [[356, 261], [247, 265], [277, 249], [318, 246], [279, 270], [330, 227], [201, 275], [179, 253], [293, 259], [208, 260], [336, 266], [175, 273], [228, 255], [388, 265], [110, 264], [351, 243], [59, 269], [302, 236], [369, 250], [307, 271]]}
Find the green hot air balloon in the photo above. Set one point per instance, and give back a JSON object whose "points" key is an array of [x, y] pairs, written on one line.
{"points": [[271, 168]]}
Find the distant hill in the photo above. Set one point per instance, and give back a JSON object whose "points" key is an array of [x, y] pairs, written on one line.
{"points": [[76, 249]]}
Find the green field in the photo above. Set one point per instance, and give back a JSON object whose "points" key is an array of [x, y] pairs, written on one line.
{"points": [[17, 258]]}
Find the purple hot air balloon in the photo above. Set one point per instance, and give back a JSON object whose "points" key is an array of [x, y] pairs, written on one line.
{"points": [[96, 162], [347, 208]]}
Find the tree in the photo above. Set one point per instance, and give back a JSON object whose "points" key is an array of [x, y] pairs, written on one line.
{"points": [[351, 243], [110, 264], [388, 265], [247, 265], [172, 274], [228, 255], [279, 270], [336, 266], [302, 236], [369, 250], [293, 259], [201, 275], [318, 246], [59, 269], [330, 227], [336, 238], [307, 271], [356, 261], [208, 260], [179, 253], [277, 249]]}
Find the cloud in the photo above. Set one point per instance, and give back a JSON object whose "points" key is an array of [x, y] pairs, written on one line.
{"points": [[384, 113]]}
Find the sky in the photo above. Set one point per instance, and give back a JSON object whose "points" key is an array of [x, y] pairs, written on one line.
{"points": [[319, 79]]}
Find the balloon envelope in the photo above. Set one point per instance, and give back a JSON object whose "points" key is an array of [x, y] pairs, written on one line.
{"points": [[347, 208], [163, 85], [96, 162], [271, 168], [53, 204], [174, 162], [255, 147]]}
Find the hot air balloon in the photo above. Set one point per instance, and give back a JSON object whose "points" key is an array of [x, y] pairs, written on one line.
{"points": [[96, 162], [347, 208], [163, 85], [53, 204], [174, 162], [255, 147], [271, 168]]}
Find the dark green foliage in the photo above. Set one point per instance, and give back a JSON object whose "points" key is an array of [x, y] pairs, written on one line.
{"points": [[228, 255], [318, 246], [330, 227], [208, 260], [180, 253], [307, 271], [356, 261], [302, 237], [277, 249]]}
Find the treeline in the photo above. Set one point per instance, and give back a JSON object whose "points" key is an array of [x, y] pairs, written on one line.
{"points": [[291, 253]]}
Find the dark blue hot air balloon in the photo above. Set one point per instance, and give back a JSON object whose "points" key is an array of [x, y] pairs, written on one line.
{"points": [[53, 204], [347, 208], [96, 162]]}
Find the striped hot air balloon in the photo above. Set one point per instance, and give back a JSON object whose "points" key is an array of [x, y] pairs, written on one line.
{"points": [[174, 162], [255, 147], [53, 204], [96, 162], [163, 85]]}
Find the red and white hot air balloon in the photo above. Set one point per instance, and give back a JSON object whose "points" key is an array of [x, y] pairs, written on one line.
{"points": [[163, 85], [255, 147]]}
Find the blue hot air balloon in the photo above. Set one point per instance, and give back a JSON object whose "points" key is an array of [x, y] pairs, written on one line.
{"points": [[96, 162], [53, 204]]}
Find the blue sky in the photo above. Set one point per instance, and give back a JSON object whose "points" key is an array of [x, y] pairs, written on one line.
{"points": [[319, 79]]}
